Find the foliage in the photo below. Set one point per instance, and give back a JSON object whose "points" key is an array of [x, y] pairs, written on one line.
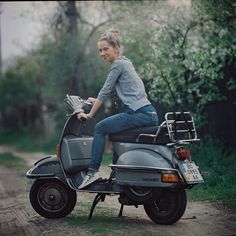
{"points": [[20, 91], [184, 63], [219, 169], [185, 55]]}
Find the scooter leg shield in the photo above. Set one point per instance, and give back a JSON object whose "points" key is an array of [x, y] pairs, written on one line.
{"points": [[47, 167]]}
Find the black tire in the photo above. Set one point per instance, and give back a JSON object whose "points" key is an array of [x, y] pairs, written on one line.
{"points": [[168, 208], [51, 198]]}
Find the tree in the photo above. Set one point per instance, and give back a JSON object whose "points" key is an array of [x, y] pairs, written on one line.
{"points": [[20, 93], [187, 58], [218, 29], [73, 33]]}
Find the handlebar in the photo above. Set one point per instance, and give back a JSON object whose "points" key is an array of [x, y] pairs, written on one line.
{"points": [[77, 104]]}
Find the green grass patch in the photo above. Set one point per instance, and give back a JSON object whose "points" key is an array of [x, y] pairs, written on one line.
{"points": [[105, 221], [28, 141], [107, 159], [220, 168], [12, 162]]}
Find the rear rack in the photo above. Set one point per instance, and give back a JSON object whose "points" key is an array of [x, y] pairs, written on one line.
{"points": [[181, 127]]}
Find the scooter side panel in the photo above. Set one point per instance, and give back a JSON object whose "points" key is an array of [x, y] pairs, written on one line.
{"points": [[143, 155]]}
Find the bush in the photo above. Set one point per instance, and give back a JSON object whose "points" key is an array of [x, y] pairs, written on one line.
{"points": [[219, 168]]}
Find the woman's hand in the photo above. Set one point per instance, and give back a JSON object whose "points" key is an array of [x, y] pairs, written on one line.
{"points": [[83, 116], [91, 100], [96, 105]]}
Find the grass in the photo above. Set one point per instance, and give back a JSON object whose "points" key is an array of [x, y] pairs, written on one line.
{"points": [[105, 221], [12, 162], [101, 222], [220, 168], [107, 159], [28, 141]]}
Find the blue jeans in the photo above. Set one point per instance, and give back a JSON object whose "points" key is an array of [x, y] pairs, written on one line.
{"points": [[145, 116]]}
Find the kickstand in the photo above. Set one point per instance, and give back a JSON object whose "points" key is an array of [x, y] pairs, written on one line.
{"points": [[99, 197], [121, 210]]}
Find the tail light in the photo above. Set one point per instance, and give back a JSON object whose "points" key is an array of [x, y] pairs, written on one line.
{"points": [[182, 153], [170, 178]]}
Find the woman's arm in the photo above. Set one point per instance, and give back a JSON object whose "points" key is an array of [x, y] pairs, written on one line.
{"points": [[105, 92], [95, 108]]}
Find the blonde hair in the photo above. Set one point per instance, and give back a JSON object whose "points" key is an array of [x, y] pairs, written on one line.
{"points": [[112, 36]]}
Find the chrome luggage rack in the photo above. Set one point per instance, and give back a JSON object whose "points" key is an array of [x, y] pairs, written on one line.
{"points": [[180, 127]]}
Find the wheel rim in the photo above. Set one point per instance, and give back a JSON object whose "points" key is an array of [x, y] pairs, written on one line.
{"points": [[52, 197]]}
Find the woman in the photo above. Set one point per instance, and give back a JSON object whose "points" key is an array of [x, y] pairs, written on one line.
{"points": [[137, 111]]}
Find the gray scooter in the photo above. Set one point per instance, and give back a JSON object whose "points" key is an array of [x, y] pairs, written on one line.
{"points": [[150, 167]]}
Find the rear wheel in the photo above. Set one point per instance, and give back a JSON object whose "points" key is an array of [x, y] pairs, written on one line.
{"points": [[51, 198], [168, 207], [138, 194]]}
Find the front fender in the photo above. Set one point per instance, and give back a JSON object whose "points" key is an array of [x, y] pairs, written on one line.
{"points": [[48, 167]]}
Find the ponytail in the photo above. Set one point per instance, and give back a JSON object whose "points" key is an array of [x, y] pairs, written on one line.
{"points": [[112, 36]]}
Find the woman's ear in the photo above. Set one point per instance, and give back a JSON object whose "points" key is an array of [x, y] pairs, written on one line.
{"points": [[117, 50]]}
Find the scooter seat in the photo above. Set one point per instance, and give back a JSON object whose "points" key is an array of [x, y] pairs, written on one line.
{"points": [[131, 136]]}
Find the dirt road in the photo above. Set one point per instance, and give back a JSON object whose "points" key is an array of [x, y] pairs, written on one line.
{"points": [[18, 218]]}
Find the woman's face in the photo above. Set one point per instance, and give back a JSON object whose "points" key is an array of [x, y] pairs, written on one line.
{"points": [[107, 52]]}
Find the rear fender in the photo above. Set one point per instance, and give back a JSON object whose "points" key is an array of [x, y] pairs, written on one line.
{"points": [[143, 167], [144, 157], [47, 167]]}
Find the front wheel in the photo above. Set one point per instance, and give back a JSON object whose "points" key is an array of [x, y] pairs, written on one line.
{"points": [[168, 207], [51, 198]]}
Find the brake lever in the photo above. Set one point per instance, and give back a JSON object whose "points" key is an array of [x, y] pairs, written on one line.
{"points": [[70, 114], [87, 102]]}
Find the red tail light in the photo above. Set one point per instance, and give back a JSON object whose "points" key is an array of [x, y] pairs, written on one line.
{"points": [[182, 153]]}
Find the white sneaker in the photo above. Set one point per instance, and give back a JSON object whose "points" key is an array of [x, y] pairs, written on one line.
{"points": [[90, 178]]}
